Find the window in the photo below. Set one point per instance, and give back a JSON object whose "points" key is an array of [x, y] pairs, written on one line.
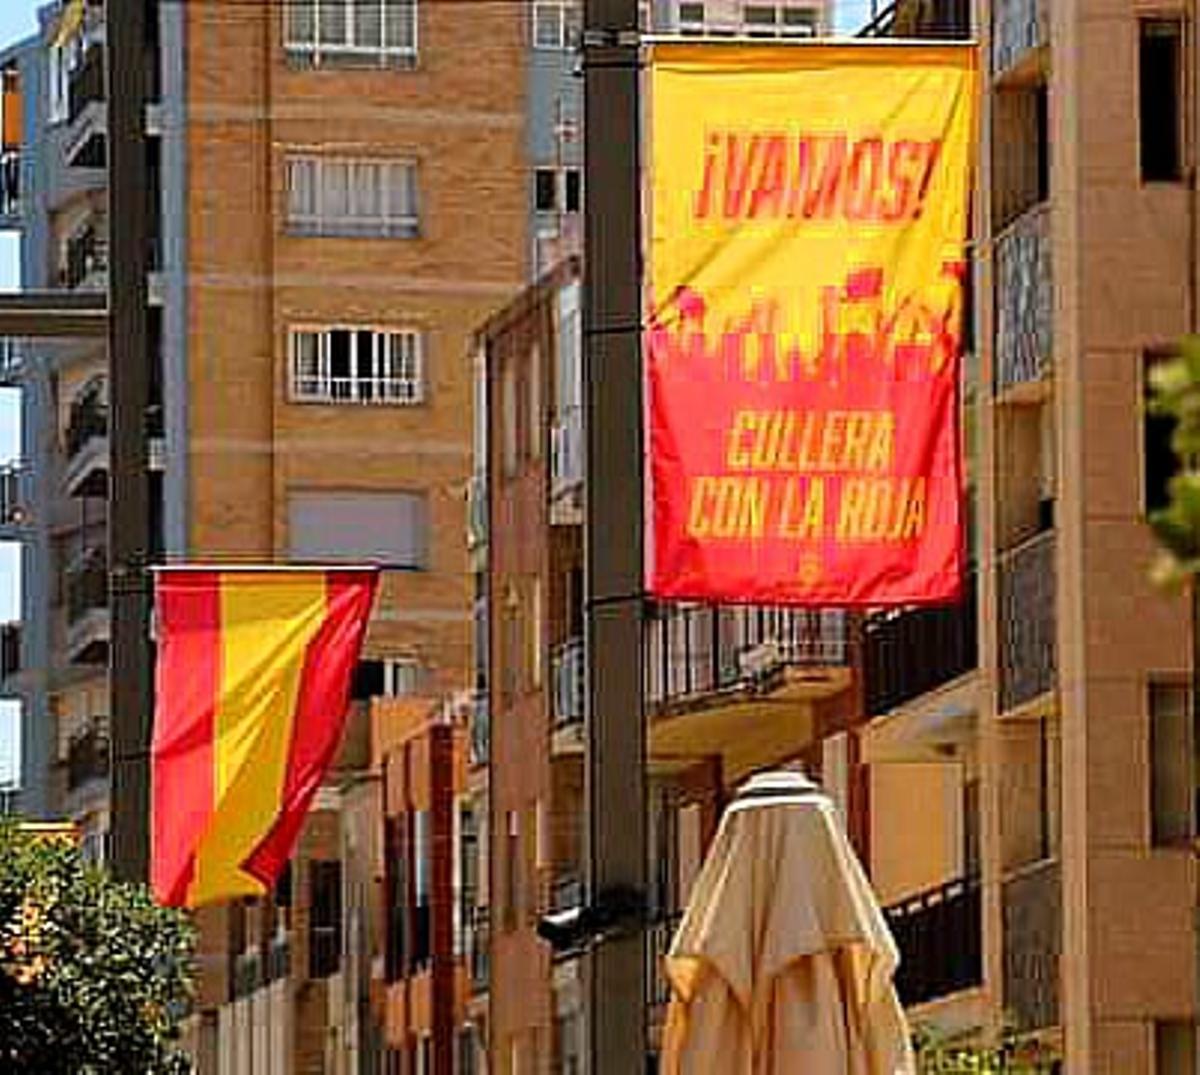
{"points": [[1160, 80], [325, 918], [1159, 462], [402, 677], [555, 24], [799, 22], [357, 365], [775, 20], [759, 19], [512, 868], [351, 32], [537, 426], [1174, 1047], [534, 622], [342, 527], [336, 196], [691, 19], [1172, 764], [395, 896], [557, 190], [422, 948]]}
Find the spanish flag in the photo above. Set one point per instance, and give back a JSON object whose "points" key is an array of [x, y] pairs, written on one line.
{"points": [[253, 684]]}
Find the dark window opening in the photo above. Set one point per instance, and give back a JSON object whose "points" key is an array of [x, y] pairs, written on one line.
{"points": [[545, 182], [1160, 54], [325, 919], [573, 190], [368, 681], [1042, 110]]}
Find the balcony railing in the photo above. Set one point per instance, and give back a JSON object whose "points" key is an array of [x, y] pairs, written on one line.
{"points": [[12, 498], [1018, 26], [694, 650], [86, 256], [568, 683], [939, 934], [481, 950], [86, 84], [566, 452], [910, 652], [87, 757], [87, 586], [10, 650], [10, 182], [1024, 300], [1032, 911], [1027, 621], [481, 729], [88, 420], [477, 512], [659, 936]]}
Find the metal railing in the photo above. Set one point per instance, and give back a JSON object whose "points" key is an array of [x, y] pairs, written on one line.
{"points": [[88, 420], [568, 669], [10, 182], [566, 451], [12, 498], [1017, 27], [692, 650], [477, 511], [659, 935], [87, 585], [480, 949], [10, 649], [86, 255], [939, 934], [911, 651], [944, 19], [1028, 649], [12, 359], [87, 757], [86, 83], [1024, 300], [481, 729], [1032, 914]]}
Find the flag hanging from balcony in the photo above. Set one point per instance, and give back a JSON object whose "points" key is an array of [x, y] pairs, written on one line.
{"points": [[253, 684], [804, 321]]}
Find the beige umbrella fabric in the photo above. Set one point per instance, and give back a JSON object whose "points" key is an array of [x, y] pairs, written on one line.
{"points": [[783, 962]]}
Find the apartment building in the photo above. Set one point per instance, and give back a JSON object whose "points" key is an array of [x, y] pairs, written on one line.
{"points": [[340, 191]]}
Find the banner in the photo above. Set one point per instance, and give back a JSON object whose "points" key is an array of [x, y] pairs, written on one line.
{"points": [[253, 687], [805, 307]]}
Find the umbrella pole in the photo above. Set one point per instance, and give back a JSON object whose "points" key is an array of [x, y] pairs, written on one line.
{"points": [[615, 760]]}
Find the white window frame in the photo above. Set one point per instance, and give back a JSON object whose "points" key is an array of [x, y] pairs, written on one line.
{"points": [[561, 174], [315, 50], [781, 24], [321, 220], [386, 388], [402, 677], [566, 17], [689, 26]]}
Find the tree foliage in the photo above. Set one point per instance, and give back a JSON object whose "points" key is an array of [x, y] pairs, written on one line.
{"points": [[1175, 393], [94, 975], [938, 1054]]}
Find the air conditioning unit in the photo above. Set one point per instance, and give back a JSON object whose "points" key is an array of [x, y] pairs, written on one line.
{"points": [[759, 662]]}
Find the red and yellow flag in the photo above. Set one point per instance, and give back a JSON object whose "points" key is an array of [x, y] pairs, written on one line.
{"points": [[253, 684]]}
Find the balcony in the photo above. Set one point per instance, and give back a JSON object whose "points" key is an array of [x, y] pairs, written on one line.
{"points": [[481, 730], [10, 650], [14, 514], [85, 266], [1026, 599], [739, 683], [1032, 915], [10, 187], [477, 512], [939, 934], [87, 609], [87, 757], [86, 444], [568, 670], [566, 459], [86, 110], [911, 652], [480, 937], [659, 935], [1020, 28], [12, 362], [1024, 302]]}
